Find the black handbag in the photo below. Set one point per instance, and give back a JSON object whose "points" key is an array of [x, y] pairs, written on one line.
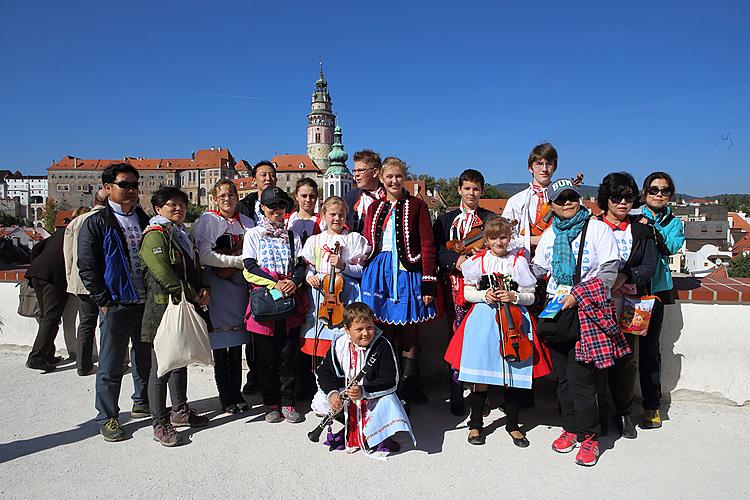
{"points": [[565, 326], [264, 307]]}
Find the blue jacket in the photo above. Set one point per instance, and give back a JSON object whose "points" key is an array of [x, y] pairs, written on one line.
{"points": [[669, 237]]}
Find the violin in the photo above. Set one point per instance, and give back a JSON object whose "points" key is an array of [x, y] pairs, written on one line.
{"points": [[515, 346], [474, 241], [331, 309], [544, 219]]}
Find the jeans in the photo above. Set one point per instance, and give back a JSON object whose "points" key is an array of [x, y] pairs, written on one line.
{"points": [[88, 313], [51, 301], [576, 391], [121, 324], [276, 362], [650, 360], [176, 380]]}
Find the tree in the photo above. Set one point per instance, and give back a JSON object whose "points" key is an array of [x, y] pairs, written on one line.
{"points": [[740, 267], [49, 214], [194, 211], [9, 220]]}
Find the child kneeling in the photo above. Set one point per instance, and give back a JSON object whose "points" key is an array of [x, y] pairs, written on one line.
{"points": [[373, 413]]}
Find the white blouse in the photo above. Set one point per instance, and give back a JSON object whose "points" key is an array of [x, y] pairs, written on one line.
{"points": [[511, 264], [207, 229], [318, 248], [271, 253]]}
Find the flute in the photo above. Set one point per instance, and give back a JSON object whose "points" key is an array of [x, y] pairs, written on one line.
{"points": [[314, 434]]}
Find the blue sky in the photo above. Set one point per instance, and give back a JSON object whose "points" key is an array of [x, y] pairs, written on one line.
{"points": [[443, 85]]}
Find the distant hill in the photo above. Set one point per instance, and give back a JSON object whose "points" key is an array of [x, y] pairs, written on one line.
{"points": [[512, 188]]}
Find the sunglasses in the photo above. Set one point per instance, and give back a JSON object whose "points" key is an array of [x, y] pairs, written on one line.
{"points": [[126, 185], [653, 191], [564, 198], [627, 198]]}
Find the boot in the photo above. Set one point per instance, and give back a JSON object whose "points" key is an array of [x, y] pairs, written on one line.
{"points": [[411, 389], [457, 394]]}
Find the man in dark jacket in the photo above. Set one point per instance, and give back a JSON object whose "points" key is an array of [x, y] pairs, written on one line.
{"points": [[264, 176], [110, 268], [369, 188], [47, 276]]}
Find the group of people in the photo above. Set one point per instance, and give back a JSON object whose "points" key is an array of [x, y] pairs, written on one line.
{"points": [[394, 268]]}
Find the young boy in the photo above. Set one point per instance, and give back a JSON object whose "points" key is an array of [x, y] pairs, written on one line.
{"points": [[366, 172], [455, 225], [373, 413]]}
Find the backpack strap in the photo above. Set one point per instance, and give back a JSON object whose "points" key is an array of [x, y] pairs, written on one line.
{"points": [[577, 275]]}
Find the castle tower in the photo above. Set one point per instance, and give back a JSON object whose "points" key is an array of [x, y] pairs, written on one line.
{"points": [[320, 124], [337, 180]]}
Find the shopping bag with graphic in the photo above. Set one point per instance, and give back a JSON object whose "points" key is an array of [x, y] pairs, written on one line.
{"points": [[636, 314]]}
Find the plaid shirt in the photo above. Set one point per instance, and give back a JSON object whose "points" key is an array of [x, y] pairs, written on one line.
{"points": [[601, 339]]}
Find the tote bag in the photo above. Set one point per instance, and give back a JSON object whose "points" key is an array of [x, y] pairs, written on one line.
{"points": [[182, 337], [28, 307]]}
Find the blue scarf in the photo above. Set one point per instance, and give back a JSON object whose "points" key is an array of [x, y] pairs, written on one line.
{"points": [[563, 261]]}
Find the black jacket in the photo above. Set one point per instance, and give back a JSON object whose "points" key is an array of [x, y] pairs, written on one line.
{"points": [[47, 261], [380, 380], [641, 263], [246, 206], [353, 220], [103, 263], [441, 229]]}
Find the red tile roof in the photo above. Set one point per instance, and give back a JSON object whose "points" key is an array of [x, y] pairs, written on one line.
{"points": [[204, 158], [61, 216], [496, 205], [738, 222], [741, 246], [243, 166], [294, 163]]}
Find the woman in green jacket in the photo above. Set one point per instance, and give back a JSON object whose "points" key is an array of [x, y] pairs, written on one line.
{"points": [[169, 263]]}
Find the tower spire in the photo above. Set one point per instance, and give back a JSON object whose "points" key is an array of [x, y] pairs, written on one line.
{"points": [[321, 68]]}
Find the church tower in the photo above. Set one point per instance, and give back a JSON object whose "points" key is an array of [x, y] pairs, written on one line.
{"points": [[320, 124], [337, 180]]}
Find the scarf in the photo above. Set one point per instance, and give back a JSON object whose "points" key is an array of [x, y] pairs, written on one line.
{"points": [[566, 230], [178, 233], [540, 191], [465, 222], [274, 229], [366, 199]]}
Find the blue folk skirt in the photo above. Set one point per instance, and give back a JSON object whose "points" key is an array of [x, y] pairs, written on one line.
{"points": [[378, 293]]}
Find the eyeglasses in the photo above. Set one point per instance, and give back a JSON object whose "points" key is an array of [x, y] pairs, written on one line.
{"points": [[564, 198], [227, 196], [360, 171], [627, 198], [127, 185], [175, 206], [653, 191], [544, 163]]}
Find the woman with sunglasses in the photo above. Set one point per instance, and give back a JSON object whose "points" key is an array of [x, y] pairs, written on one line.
{"points": [[579, 352], [658, 190], [617, 195]]}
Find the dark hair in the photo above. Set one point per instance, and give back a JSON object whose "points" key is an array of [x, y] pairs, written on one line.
{"points": [[262, 163], [543, 151], [110, 173], [651, 178], [471, 175], [162, 195], [356, 312], [617, 184], [371, 158], [305, 181]]}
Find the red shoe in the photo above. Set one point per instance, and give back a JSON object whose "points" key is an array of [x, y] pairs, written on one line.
{"points": [[589, 452], [565, 443]]}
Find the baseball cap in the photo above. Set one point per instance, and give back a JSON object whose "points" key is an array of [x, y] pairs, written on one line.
{"points": [[274, 196], [559, 187]]}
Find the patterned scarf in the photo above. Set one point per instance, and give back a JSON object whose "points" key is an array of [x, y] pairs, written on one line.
{"points": [[274, 229], [563, 261], [540, 191], [465, 222]]}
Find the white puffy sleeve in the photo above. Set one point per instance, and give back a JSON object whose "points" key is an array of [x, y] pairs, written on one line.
{"points": [[207, 229], [357, 249], [472, 269]]}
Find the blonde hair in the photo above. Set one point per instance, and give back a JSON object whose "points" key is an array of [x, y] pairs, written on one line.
{"points": [[357, 312], [393, 162], [331, 201], [496, 227]]}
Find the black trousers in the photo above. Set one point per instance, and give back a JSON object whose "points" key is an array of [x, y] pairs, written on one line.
{"points": [[511, 406], [88, 315], [650, 360], [228, 374], [621, 379], [576, 390], [176, 380], [51, 301], [276, 362]]}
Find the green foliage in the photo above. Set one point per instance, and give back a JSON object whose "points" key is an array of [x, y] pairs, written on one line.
{"points": [[735, 202], [449, 188], [194, 211], [8, 220], [740, 267], [48, 215]]}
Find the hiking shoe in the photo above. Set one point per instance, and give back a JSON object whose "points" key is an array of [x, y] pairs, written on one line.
{"points": [[140, 411], [273, 415], [165, 434], [187, 417], [565, 443], [651, 419], [292, 415], [589, 452], [111, 430]]}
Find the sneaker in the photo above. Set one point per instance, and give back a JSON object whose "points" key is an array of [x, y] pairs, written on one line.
{"points": [[651, 419], [187, 417], [84, 372], [273, 415], [588, 455], [292, 415], [627, 427], [565, 443], [111, 430], [140, 411], [166, 435], [45, 366]]}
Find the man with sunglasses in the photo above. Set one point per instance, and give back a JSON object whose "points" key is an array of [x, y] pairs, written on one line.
{"points": [[369, 188], [110, 268]]}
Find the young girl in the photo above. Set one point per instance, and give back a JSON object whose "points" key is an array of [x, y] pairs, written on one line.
{"points": [[318, 253], [304, 222], [268, 260], [476, 349], [399, 282], [374, 413], [658, 189]]}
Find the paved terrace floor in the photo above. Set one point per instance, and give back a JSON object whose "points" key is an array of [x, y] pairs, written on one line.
{"points": [[49, 448]]}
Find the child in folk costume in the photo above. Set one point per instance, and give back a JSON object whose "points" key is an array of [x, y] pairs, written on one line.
{"points": [[270, 258], [451, 227], [334, 248], [399, 282], [366, 173], [373, 413], [477, 349], [304, 222]]}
